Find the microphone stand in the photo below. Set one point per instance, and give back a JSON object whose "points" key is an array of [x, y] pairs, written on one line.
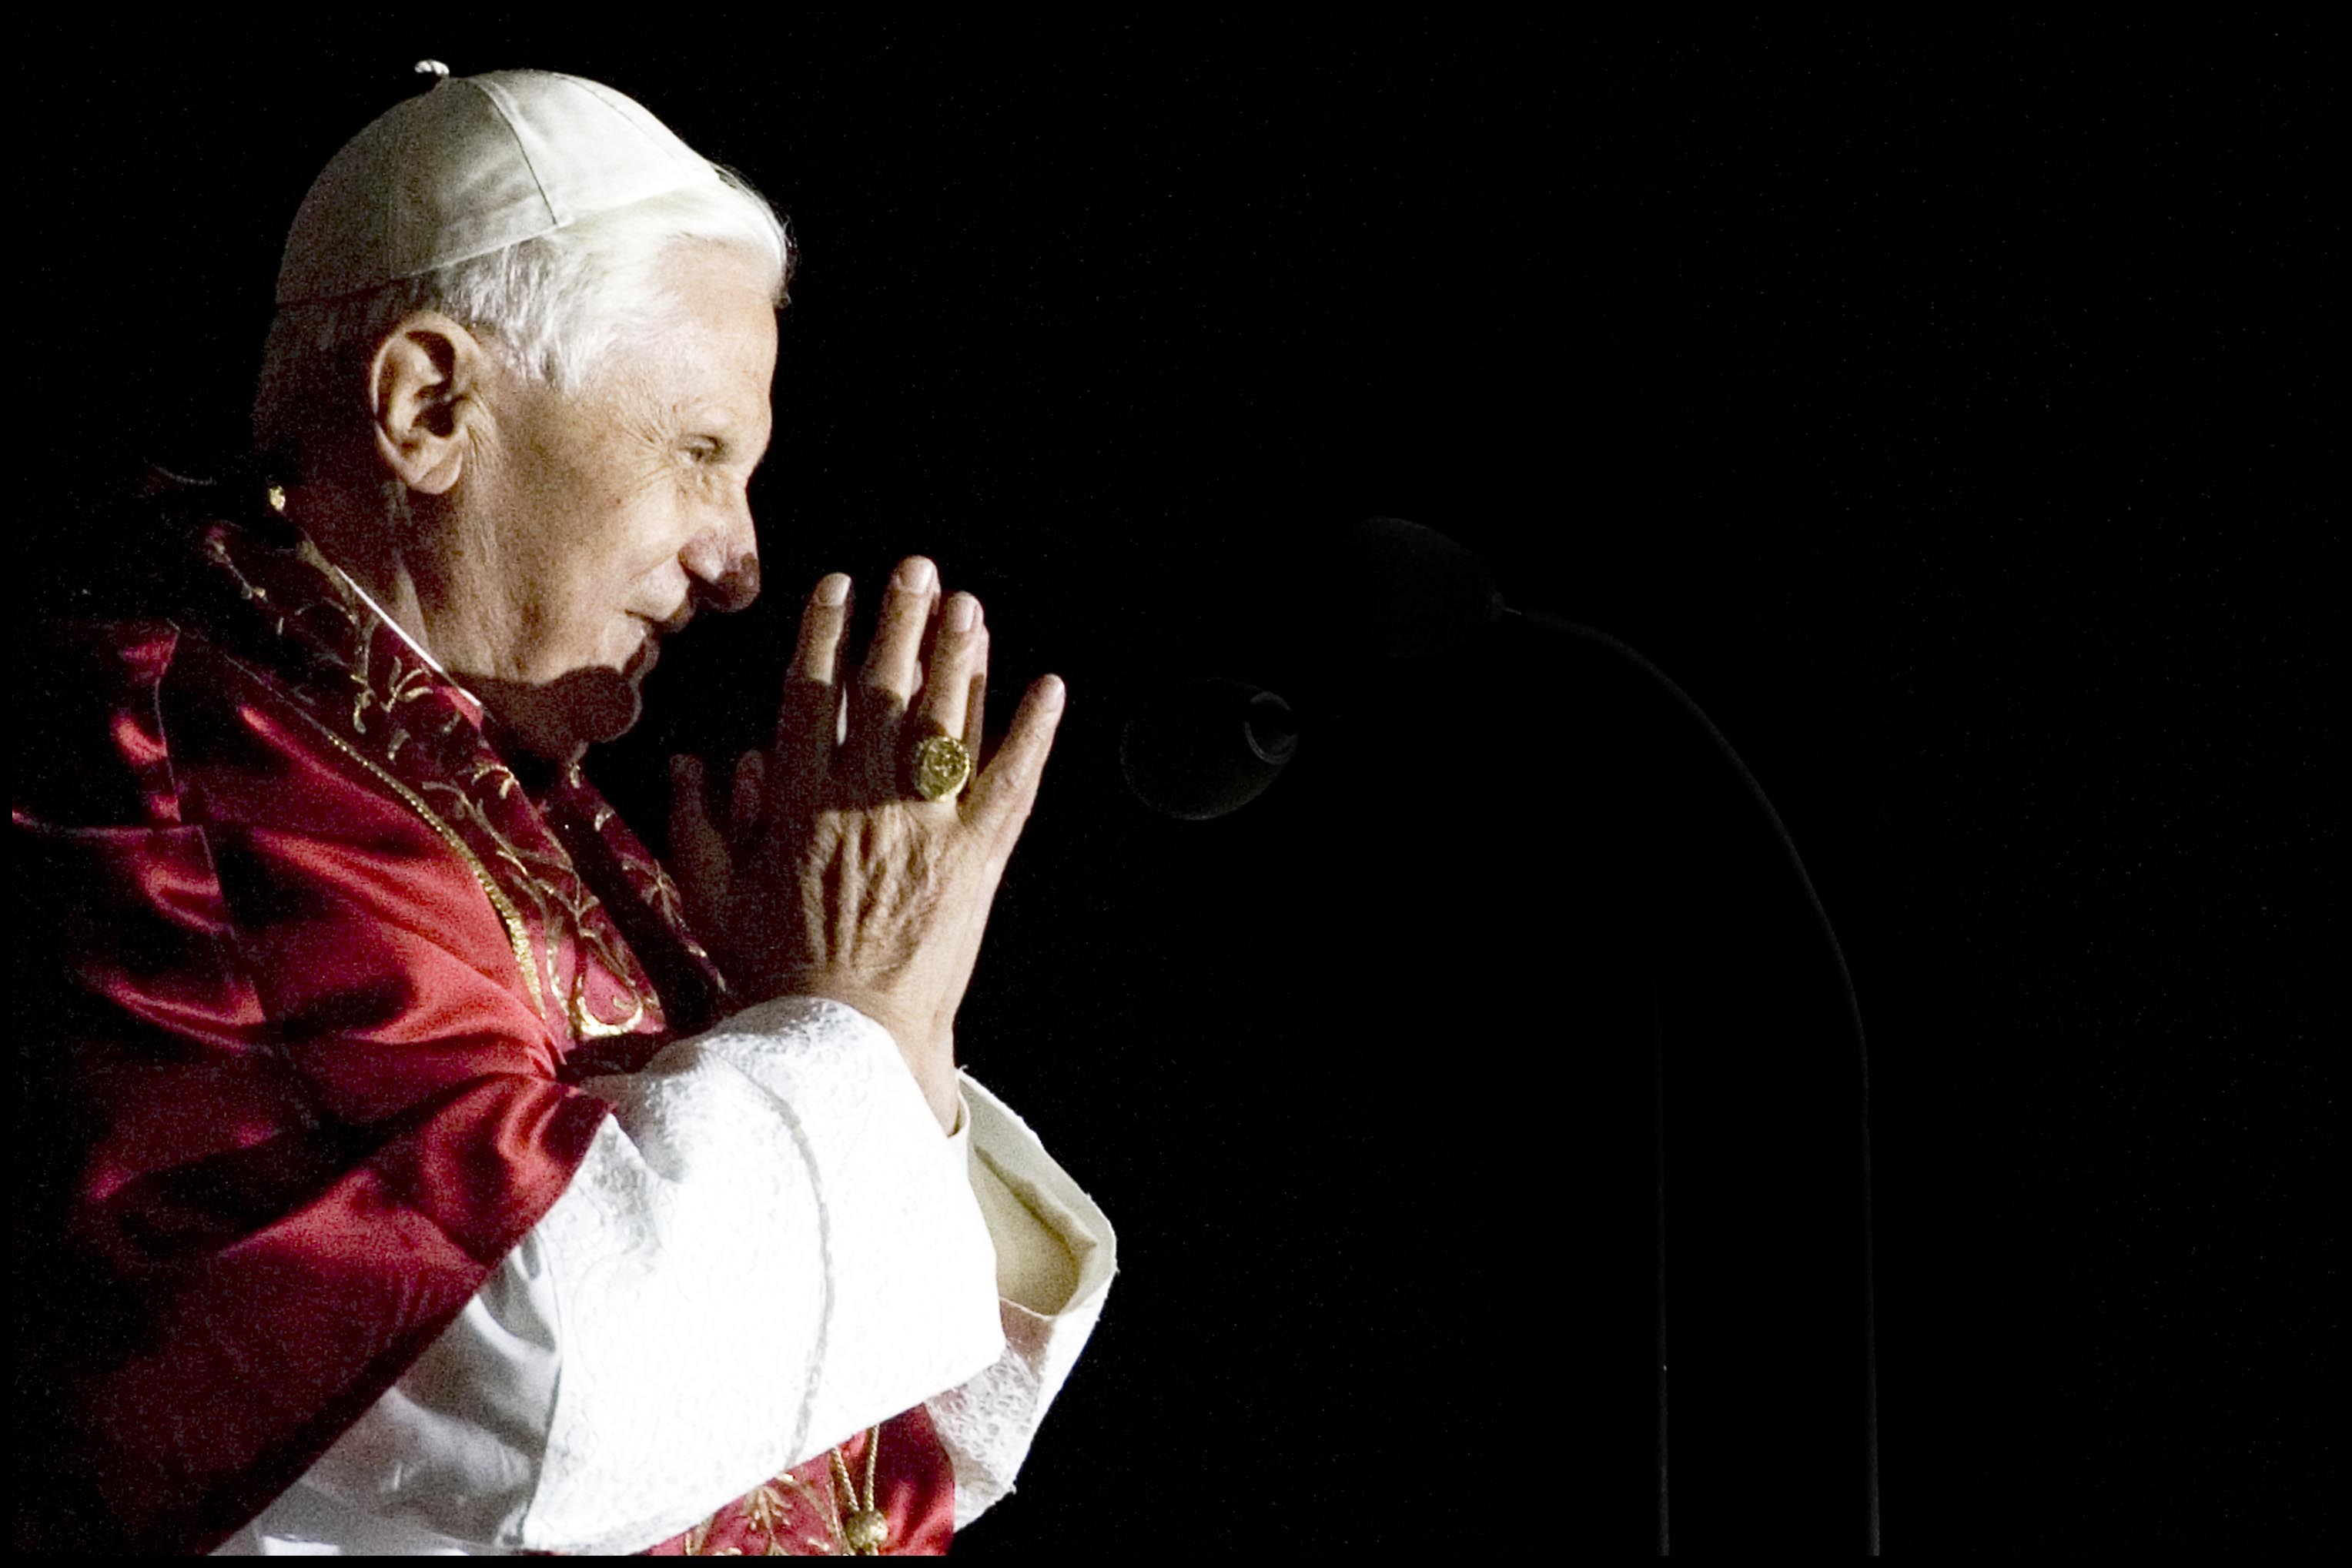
{"points": [[1429, 591], [1658, 678]]}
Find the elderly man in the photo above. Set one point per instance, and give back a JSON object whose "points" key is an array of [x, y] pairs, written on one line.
{"points": [[408, 1175]]}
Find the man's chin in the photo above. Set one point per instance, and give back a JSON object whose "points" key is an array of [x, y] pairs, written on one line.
{"points": [[609, 709], [558, 721]]}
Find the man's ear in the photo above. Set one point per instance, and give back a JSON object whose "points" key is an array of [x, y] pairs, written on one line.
{"points": [[425, 387]]}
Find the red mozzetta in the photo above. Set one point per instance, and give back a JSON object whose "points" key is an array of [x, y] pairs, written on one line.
{"points": [[310, 979]]}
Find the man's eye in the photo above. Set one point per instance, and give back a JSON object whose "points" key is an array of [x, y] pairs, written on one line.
{"points": [[706, 451]]}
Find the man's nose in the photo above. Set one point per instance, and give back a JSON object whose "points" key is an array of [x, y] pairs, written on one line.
{"points": [[724, 567]]}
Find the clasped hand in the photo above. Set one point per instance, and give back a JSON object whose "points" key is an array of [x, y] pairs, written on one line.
{"points": [[830, 876]]}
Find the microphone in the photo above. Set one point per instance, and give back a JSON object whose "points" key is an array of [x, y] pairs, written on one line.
{"points": [[1203, 747]]}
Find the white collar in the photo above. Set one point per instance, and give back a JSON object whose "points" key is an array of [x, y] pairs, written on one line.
{"points": [[402, 633]]}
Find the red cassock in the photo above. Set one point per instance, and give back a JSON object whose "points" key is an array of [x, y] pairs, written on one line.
{"points": [[311, 977]]}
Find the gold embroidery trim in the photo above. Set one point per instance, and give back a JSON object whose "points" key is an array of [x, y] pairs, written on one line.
{"points": [[552, 902], [405, 687], [765, 1512], [508, 916], [408, 683]]}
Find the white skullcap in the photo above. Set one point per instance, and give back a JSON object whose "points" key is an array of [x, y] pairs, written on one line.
{"points": [[473, 165]]}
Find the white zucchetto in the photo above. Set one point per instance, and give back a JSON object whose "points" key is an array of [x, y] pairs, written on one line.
{"points": [[473, 165]]}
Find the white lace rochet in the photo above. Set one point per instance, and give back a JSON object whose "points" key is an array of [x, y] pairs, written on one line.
{"points": [[769, 1248]]}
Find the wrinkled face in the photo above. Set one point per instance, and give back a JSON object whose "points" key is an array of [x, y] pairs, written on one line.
{"points": [[591, 524]]}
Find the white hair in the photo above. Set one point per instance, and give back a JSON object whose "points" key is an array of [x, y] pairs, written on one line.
{"points": [[553, 308]]}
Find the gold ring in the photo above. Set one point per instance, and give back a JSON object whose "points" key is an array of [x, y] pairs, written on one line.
{"points": [[938, 767]]}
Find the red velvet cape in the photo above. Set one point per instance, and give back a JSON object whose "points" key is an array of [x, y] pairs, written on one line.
{"points": [[310, 977]]}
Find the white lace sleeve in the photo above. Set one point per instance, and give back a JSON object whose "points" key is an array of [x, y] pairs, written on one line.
{"points": [[769, 1247], [1056, 1256]]}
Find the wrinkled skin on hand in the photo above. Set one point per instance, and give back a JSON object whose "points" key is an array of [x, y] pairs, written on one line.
{"points": [[830, 876]]}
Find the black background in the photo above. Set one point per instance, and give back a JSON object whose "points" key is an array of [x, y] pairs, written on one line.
{"points": [[1949, 404]]}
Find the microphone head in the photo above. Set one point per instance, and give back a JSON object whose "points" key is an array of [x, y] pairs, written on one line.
{"points": [[1416, 591], [1205, 747]]}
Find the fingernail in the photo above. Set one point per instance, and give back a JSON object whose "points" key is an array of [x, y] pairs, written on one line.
{"points": [[1051, 693], [963, 614], [833, 589], [916, 576]]}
